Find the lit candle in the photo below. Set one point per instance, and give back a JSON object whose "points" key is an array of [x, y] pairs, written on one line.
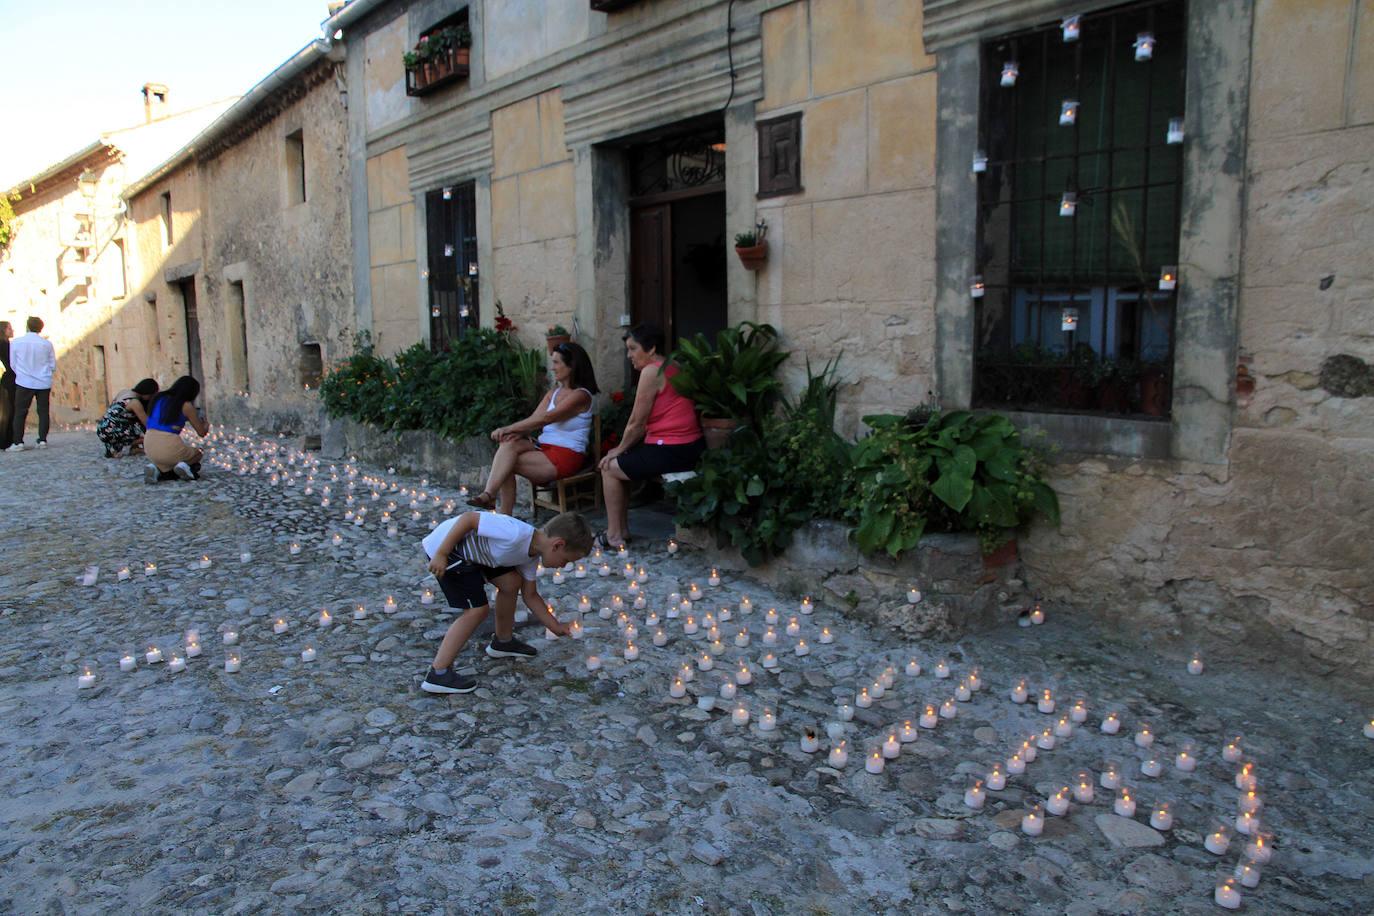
{"points": [[1020, 693], [193, 649], [631, 632], [714, 579], [1245, 777], [826, 636], [337, 538], [1186, 759], [1161, 818], [640, 602], [741, 715], [324, 619], [628, 570], [948, 709], [631, 652], [768, 720], [1369, 729], [1226, 895], [1195, 664], [558, 577], [1218, 841], [744, 676], [389, 605], [802, 648], [913, 595], [1063, 728], [745, 605], [231, 662], [1046, 702], [617, 603], [705, 662], [694, 592], [149, 569], [231, 637], [1016, 764], [1083, 787], [308, 654], [1037, 615], [770, 660], [153, 655], [875, 763], [963, 693], [929, 717], [1046, 740], [1058, 803], [1033, 822], [205, 562], [575, 629], [728, 690], [672, 546], [942, 669], [974, 795], [1247, 822], [1261, 845], [127, 663], [90, 575], [1111, 776], [641, 575], [770, 616], [913, 667], [892, 745], [580, 571], [593, 662], [689, 626], [1151, 766], [85, 680], [1125, 803], [360, 612], [1079, 712], [806, 605], [810, 743], [604, 570], [123, 574], [846, 712], [294, 548], [1248, 874], [742, 637], [1112, 724], [1144, 737], [245, 556], [863, 700], [839, 755], [686, 672], [1232, 752], [908, 732], [1250, 800], [660, 637]]}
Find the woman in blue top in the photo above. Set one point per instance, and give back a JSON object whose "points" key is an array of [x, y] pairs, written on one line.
{"points": [[170, 457]]}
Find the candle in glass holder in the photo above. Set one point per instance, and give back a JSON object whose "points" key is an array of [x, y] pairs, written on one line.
{"points": [[86, 679], [1186, 758], [1033, 821], [1083, 787], [1231, 752], [1125, 802], [1226, 894], [1195, 665], [913, 667], [205, 562], [839, 755], [793, 627], [294, 549], [1218, 840], [149, 569], [1250, 800], [641, 575], [745, 605], [1046, 702], [123, 574], [975, 795], [1144, 737], [1037, 614], [1016, 764], [389, 605], [714, 579], [308, 654], [1245, 777], [1063, 728], [660, 637], [846, 712], [913, 595], [1162, 818], [1046, 740], [689, 626], [930, 717], [127, 662], [694, 592], [802, 648], [1369, 729], [686, 672], [741, 715], [593, 662], [1079, 712], [231, 662], [1111, 776], [1261, 846], [1058, 803], [1112, 724], [770, 660], [193, 649], [360, 612], [743, 676], [324, 620], [558, 577], [153, 655], [768, 720], [672, 546], [1020, 693], [728, 689], [810, 742], [1151, 766], [1027, 748], [770, 637], [908, 732], [1248, 874], [640, 602], [806, 606], [631, 652], [875, 763], [892, 745], [1247, 822], [962, 692], [742, 637], [705, 662], [826, 636], [949, 709], [975, 679], [942, 669], [996, 780], [863, 700]]}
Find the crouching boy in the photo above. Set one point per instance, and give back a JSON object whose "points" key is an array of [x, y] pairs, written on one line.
{"points": [[475, 548]]}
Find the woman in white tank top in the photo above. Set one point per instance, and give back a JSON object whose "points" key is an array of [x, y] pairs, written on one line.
{"points": [[563, 421]]}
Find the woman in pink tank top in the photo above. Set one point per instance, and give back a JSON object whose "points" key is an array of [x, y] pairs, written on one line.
{"points": [[663, 435]]}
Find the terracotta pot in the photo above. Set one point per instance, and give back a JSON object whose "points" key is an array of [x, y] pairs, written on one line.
{"points": [[1002, 556], [462, 59], [553, 340], [427, 73], [753, 257], [718, 431], [443, 66]]}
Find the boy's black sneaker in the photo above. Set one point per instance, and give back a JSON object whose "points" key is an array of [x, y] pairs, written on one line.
{"points": [[511, 648], [448, 682]]}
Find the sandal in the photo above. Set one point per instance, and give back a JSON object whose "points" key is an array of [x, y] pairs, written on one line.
{"points": [[483, 500], [604, 542]]}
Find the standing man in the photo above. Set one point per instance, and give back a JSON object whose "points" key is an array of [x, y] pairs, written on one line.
{"points": [[6, 387], [34, 362]]}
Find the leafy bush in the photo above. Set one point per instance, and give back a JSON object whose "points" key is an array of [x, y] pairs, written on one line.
{"points": [[735, 377], [485, 379]]}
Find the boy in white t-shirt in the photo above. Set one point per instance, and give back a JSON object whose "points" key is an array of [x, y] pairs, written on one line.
{"points": [[475, 548]]}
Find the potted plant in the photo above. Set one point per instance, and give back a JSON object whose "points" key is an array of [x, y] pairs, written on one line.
{"points": [[732, 382], [557, 335], [752, 247]]}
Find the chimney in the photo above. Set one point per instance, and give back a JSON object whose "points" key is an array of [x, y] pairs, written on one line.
{"points": [[334, 6], [155, 104]]}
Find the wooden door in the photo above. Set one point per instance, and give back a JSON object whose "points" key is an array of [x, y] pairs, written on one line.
{"points": [[195, 368], [651, 266]]}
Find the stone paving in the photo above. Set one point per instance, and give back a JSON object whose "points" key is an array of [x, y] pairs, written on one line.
{"points": [[334, 785]]}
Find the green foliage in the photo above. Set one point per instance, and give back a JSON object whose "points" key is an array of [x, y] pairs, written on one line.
{"points": [[6, 219], [746, 240], [558, 331], [890, 497], [736, 377], [485, 379]]}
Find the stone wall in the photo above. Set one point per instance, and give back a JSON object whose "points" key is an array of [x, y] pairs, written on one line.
{"points": [[1272, 548], [391, 232], [853, 255], [409, 451], [959, 595]]}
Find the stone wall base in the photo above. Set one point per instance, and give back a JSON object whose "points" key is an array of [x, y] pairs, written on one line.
{"points": [[959, 596], [411, 451]]}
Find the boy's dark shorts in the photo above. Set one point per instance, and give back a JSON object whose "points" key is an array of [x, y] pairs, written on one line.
{"points": [[465, 584]]}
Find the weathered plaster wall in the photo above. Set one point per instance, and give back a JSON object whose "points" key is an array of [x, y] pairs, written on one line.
{"points": [[391, 235], [852, 256], [520, 32], [1271, 548], [384, 82], [533, 219], [292, 259]]}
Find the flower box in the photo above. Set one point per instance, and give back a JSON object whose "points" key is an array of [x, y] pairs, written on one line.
{"points": [[610, 6], [447, 66]]}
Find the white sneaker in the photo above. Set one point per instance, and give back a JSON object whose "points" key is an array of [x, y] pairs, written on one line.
{"points": [[183, 470], [150, 473], [16, 447], [42, 443]]}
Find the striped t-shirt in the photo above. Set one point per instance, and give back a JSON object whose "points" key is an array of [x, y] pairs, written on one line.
{"points": [[500, 540]]}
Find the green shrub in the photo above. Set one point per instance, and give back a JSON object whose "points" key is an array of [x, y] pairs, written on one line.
{"points": [[733, 378], [358, 387]]}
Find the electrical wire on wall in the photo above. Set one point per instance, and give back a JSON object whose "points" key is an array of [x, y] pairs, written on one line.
{"points": [[730, 51]]}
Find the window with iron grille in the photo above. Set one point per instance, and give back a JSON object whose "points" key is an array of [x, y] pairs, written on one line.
{"points": [[451, 229], [1079, 181]]}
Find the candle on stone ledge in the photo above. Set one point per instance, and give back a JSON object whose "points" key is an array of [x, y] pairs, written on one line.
{"points": [[846, 712], [230, 637], [802, 648], [308, 654], [768, 720], [1162, 818], [1037, 614], [949, 709], [660, 637], [942, 669], [1079, 712], [1046, 702], [294, 549], [389, 605], [689, 626], [741, 715], [85, 680], [863, 700], [694, 592], [672, 546], [714, 579], [205, 562], [149, 569], [1151, 766], [908, 732], [1046, 740], [1250, 800], [1016, 764], [1247, 822], [1231, 752], [1186, 758], [281, 626], [1248, 874], [360, 612], [1195, 665], [1261, 846], [1063, 728], [875, 763], [744, 676], [1218, 840], [123, 574], [1144, 737], [892, 745], [1245, 777], [806, 606], [1111, 776], [632, 652], [770, 660], [770, 637], [705, 662], [324, 620], [593, 662], [962, 692], [742, 637], [728, 689], [193, 649]]}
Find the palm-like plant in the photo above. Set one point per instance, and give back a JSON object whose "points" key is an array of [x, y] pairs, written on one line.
{"points": [[734, 378]]}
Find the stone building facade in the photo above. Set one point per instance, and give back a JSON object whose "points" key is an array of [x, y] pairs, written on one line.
{"points": [[1235, 511]]}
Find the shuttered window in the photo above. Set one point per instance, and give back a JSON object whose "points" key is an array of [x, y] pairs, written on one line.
{"points": [[780, 156]]}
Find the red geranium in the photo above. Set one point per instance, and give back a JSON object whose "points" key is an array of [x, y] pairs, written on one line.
{"points": [[617, 396], [504, 324]]}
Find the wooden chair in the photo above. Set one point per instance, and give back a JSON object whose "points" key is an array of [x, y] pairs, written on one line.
{"points": [[580, 490]]}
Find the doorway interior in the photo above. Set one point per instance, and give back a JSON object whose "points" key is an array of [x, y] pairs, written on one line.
{"points": [[195, 368]]}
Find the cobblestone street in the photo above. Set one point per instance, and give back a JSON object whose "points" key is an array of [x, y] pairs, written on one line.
{"points": [[335, 785]]}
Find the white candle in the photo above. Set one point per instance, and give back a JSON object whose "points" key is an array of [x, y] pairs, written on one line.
{"points": [[1195, 664], [1079, 712], [913, 667], [324, 620], [1016, 765], [974, 795], [575, 629], [714, 579], [742, 637], [558, 577], [1248, 874], [660, 637], [1083, 788], [308, 654], [193, 649], [975, 679], [641, 575], [1112, 724], [231, 662], [689, 626], [617, 603], [1246, 823], [1151, 767], [1250, 801], [770, 660], [913, 596], [770, 637], [963, 693], [1226, 894], [728, 690], [996, 779], [593, 662], [875, 762], [640, 602], [281, 626], [1125, 803], [705, 662], [1369, 729], [1020, 693], [745, 605], [1037, 615], [948, 709], [1058, 803], [337, 539], [85, 680], [631, 652], [863, 700], [929, 717], [631, 632], [1161, 818], [686, 672], [245, 556], [672, 546], [1218, 841], [846, 712], [580, 571], [1245, 778], [1144, 737], [743, 676], [768, 721], [1260, 847], [127, 663], [123, 574], [694, 592], [1232, 752], [942, 669], [205, 562], [1063, 728], [1046, 740], [153, 655], [741, 715], [389, 605], [678, 689], [1186, 759], [810, 743], [839, 756], [294, 548], [1033, 822], [793, 627], [806, 606], [1046, 702], [802, 648], [908, 732], [605, 612], [231, 637], [360, 612], [1110, 778], [826, 636], [604, 570]]}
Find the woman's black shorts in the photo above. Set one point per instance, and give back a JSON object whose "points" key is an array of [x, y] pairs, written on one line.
{"points": [[645, 461], [465, 584]]}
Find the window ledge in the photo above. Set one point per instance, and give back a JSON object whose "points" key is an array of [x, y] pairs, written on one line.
{"points": [[1099, 435]]}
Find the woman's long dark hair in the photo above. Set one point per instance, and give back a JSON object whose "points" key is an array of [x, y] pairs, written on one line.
{"points": [[583, 376], [168, 405], [146, 389]]}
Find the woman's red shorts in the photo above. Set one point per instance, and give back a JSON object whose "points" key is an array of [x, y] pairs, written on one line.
{"points": [[565, 461]]}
